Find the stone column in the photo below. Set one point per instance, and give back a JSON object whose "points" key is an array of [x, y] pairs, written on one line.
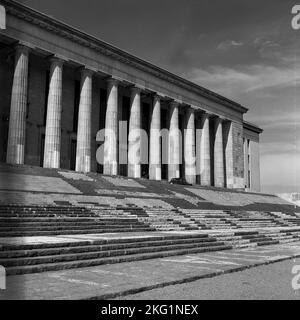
{"points": [[246, 163], [205, 177], [111, 129], [174, 142], [83, 151], [53, 122], [17, 118], [155, 141], [189, 147], [218, 154], [229, 161], [134, 138]]}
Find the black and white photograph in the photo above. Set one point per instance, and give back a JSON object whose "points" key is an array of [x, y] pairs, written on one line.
{"points": [[149, 152]]}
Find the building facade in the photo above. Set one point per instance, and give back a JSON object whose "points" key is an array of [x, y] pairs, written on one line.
{"points": [[61, 87]]}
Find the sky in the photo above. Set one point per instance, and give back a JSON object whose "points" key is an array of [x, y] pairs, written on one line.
{"points": [[244, 50]]}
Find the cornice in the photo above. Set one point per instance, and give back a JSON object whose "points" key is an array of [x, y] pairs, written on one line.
{"points": [[252, 127], [62, 29]]}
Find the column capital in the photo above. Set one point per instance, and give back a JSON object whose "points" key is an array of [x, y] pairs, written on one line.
{"points": [[113, 81], [157, 95], [57, 60], [204, 114], [226, 121], [190, 109], [217, 118], [156, 98], [174, 103], [22, 48], [202, 117], [136, 89], [86, 71]]}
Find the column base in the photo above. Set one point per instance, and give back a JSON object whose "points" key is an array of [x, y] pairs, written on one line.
{"points": [[155, 172], [205, 183], [52, 160], [83, 164], [190, 179], [110, 168], [219, 184], [190, 174], [15, 155], [173, 171], [134, 170]]}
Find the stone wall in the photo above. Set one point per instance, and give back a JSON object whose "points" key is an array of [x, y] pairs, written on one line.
{"points": [[254, 166], [253, 151], [234, 155], [238, 155]]}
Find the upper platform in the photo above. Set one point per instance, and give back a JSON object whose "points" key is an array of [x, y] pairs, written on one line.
{"points": [[38, 186]]}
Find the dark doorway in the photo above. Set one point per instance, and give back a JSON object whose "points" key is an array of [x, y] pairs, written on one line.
{"points": [[102, 114], [181, 144], [4, 137], [76, 104], [212, 157], [47, 83], [123, 141], [42, 150], [145, 125], [164, 125], [73, 154]]}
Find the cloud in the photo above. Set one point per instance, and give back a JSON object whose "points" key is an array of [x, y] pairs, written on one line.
{"points": [[282, 118], [264, 42], [232, 81], [277, 148], [225, 45]]}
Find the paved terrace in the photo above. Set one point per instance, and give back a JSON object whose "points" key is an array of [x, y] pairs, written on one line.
{"points": [[111, 281], [27, 185]]}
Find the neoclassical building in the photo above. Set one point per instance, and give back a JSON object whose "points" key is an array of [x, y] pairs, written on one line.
{"points": [[60, 87]]}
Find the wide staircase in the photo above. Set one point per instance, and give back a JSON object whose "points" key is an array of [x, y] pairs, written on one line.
{"points": [[58, 219]]}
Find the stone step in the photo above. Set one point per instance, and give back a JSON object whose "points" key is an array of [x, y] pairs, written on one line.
{"points": [[117, 240], [109, 260], [268, 242], [64, 224], [58, 211], [244, 233], [69, 232], [19, 221], [102, 247], [40, 207], [55, 258], [50, 216], [233, 239], [72, 226], [255, 238], [101, 253]]}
